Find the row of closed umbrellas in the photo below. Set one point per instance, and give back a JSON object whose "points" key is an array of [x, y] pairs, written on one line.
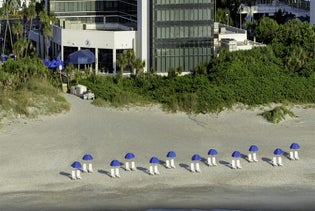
{"points": [[171, 155]]}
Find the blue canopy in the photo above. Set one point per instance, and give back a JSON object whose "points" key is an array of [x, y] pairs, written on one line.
{"points": [[236, 154], [295, 146], [253, 148], [195, 157], [278, 151], [171, 154], [154, 160], [81, 57], [4, 58], [54, 64], [87, 157], [76, 165], [212, 152], [130, 156], [115, 163]]}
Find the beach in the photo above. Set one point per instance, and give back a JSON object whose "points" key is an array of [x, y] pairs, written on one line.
{"points": [[36, 156]]}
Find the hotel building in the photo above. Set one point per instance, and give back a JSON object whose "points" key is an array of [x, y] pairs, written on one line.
{"points": [[165, 33]]}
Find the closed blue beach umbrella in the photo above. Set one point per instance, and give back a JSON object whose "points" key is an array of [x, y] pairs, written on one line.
{"points": [[154, 160], [212, 152], [171, 154], [253, 148], [195, 157], [76, 165], [87, 157], [236, 154], [115, 163], [295, 146], [129, 156], [278, 151]]}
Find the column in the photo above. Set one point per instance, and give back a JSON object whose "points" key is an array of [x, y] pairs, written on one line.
{"points": [[96, 60], [114, 60]]}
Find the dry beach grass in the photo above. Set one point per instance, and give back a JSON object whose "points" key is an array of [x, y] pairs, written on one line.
{"points": [[36, 156]]}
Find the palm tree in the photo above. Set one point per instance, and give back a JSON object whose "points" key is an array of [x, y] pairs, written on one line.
{"points": [[130, 56], [29, 13], [47, 19], [122, 62], [138, 64]]}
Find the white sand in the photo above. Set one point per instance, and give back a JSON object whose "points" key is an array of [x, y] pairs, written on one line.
{"points": [[35, 159]]}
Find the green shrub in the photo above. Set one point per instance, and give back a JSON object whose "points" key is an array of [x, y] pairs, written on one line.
{"points": [[277, 114]]}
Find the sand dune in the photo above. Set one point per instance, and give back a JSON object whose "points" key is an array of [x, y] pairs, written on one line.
{"points": [[36, 156]]}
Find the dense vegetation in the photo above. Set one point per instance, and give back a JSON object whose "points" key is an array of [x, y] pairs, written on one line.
{"points": [[281, 72], [28, 88]]}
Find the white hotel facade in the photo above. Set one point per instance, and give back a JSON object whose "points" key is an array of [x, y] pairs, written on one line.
{"points": [[164, 33]]}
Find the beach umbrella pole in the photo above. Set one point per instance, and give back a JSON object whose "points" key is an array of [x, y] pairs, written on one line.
{"points": [[117, 172], [192, 167], [133, 166], [127, 166], [79, 174], [296, 155], [112, 172], [73, 175], [168, 164], [90, 169]]}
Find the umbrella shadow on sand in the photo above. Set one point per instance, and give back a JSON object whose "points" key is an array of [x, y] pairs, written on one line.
{"points": [[267, 160], [204, 161], [163, 163], [225, 163], [287, 155], [101, 171], [145, 170], [66, 174], [185, 166]]}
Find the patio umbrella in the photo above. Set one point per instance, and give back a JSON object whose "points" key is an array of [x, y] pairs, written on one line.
{"points": [[130, 156], [115, 164], [87, 157], [194, 166], [81, 57], [278, 151], [253, 148], [295, 146], [154, 160], [171, 154], [294, 155], [153, 169], [277, 162], [211, 158], [170, 163], [76, 165], [76, 174], [236, 154], [196, 157], [252, 155], [212, 152]]}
